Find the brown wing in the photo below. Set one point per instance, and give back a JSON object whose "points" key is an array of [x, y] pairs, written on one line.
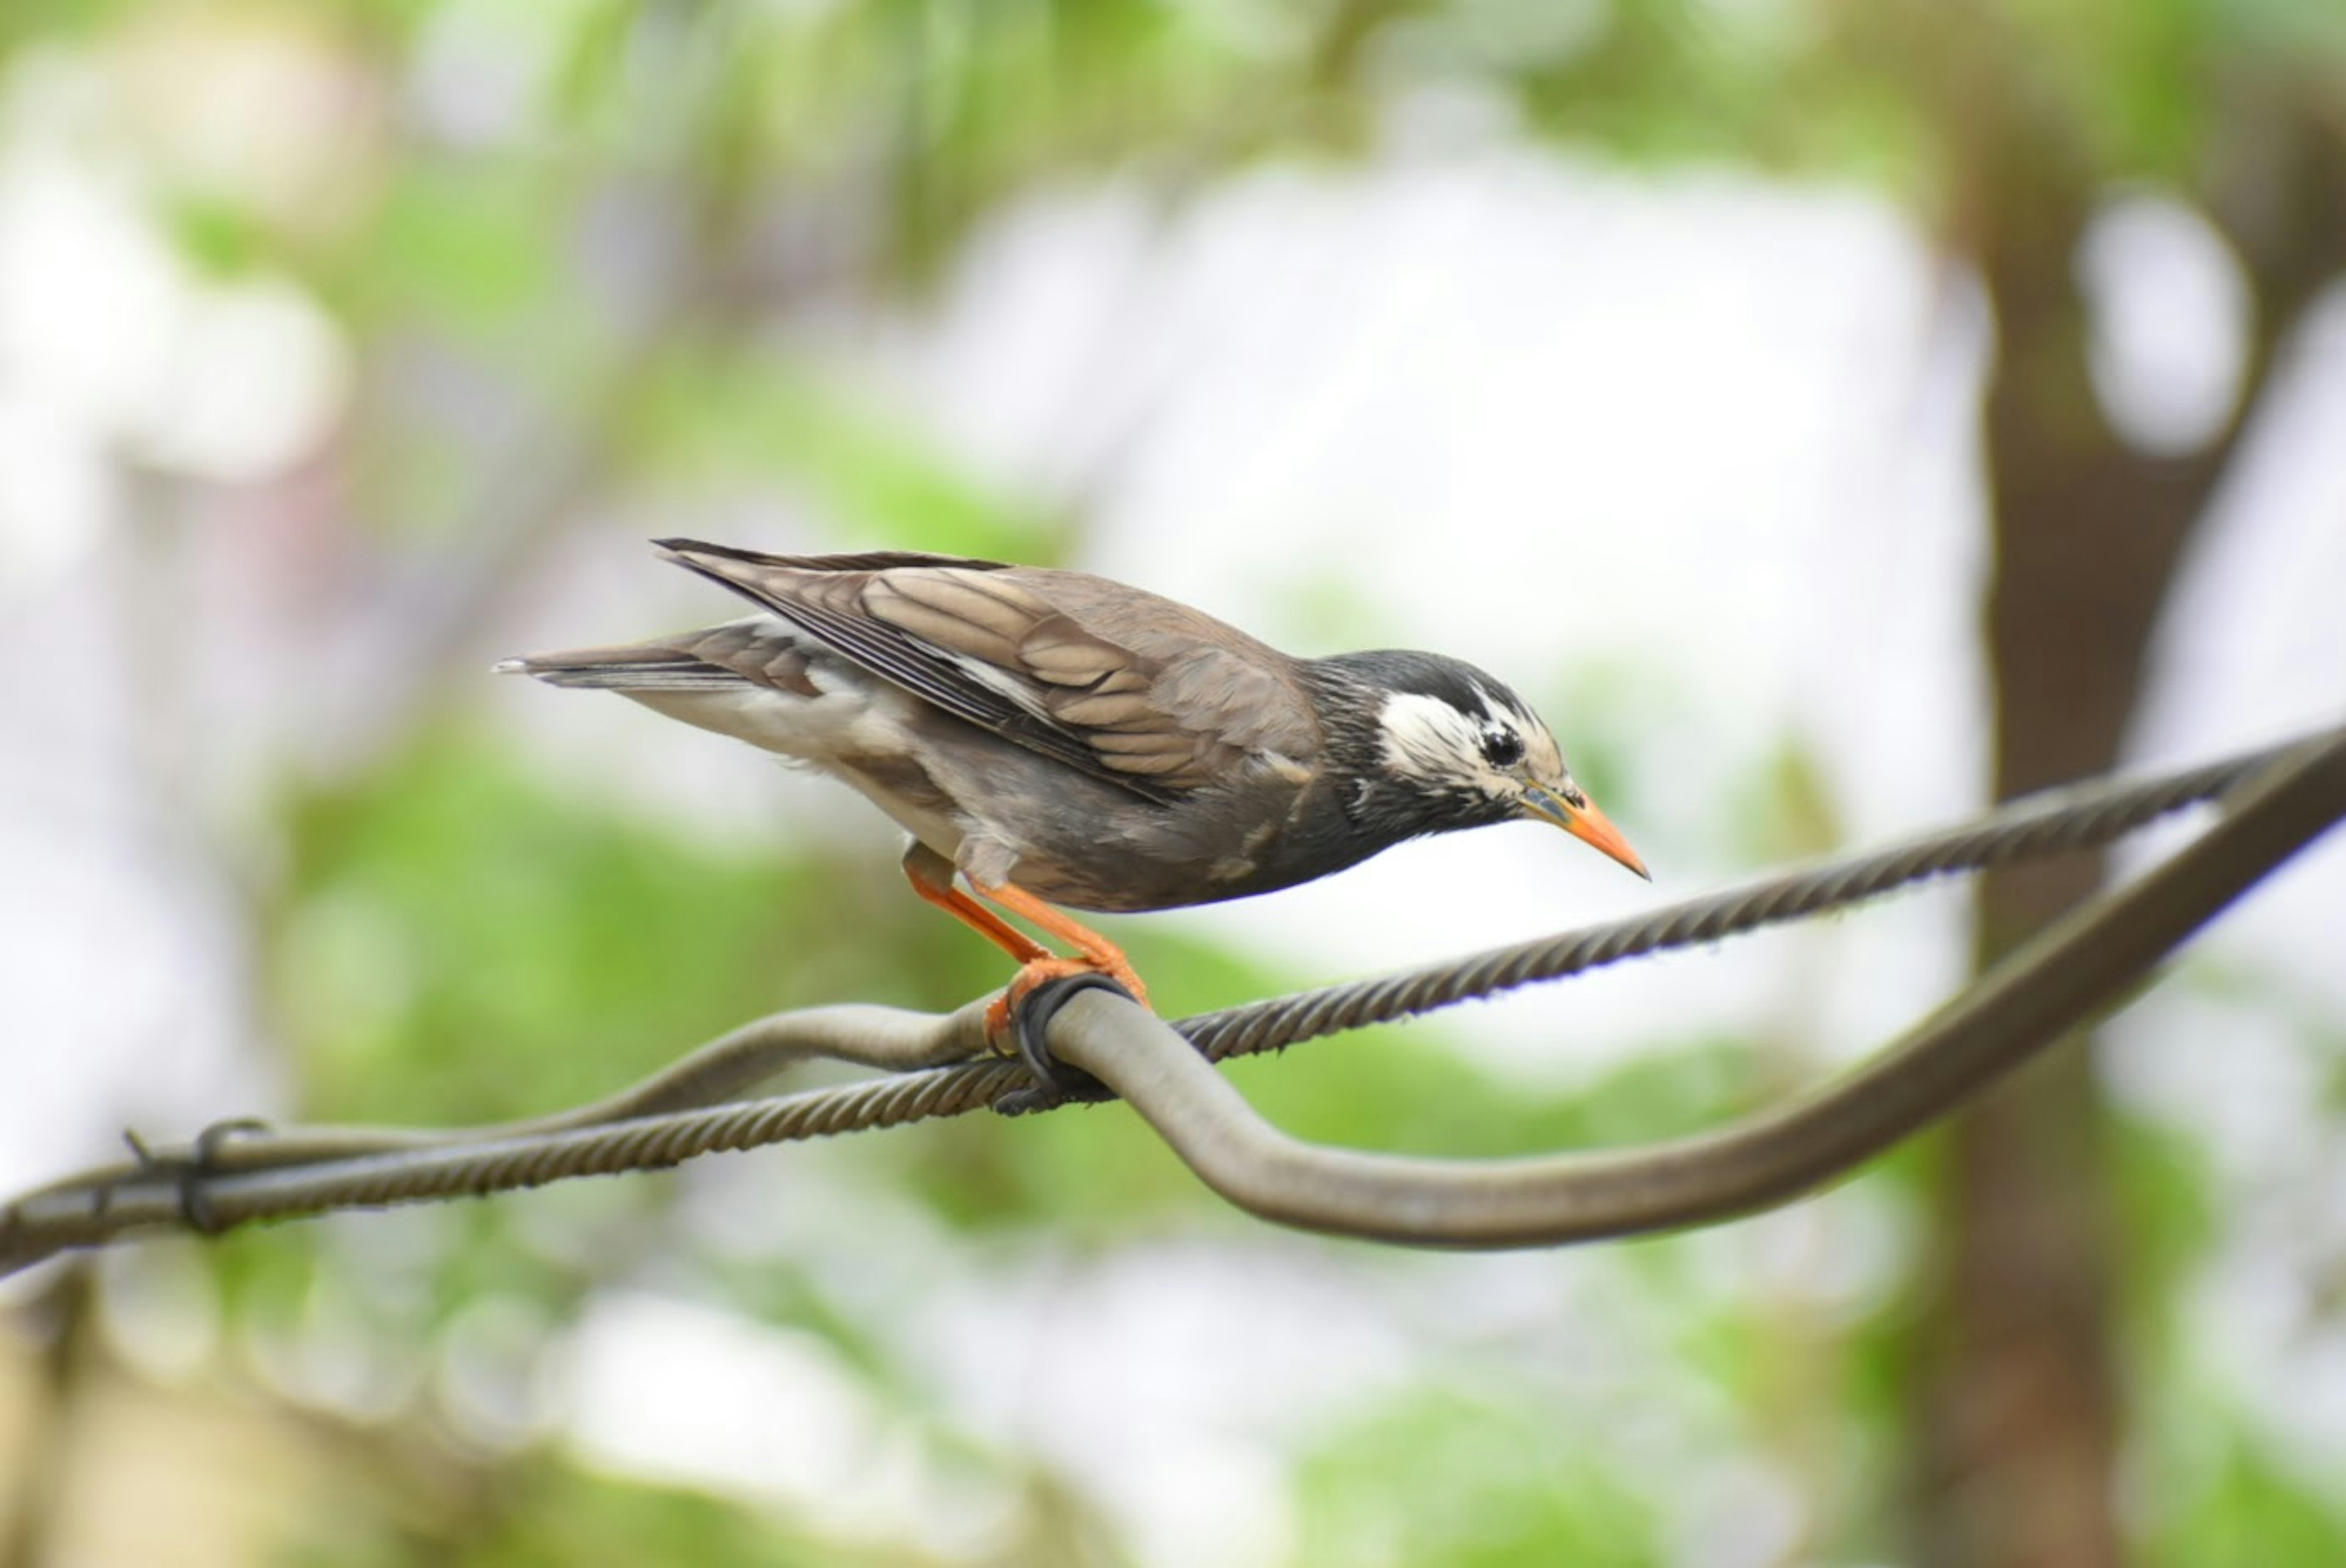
{"points": [[1121, 685]]}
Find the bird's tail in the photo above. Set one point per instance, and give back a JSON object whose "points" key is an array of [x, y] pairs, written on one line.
{"points": [[638, 667]]}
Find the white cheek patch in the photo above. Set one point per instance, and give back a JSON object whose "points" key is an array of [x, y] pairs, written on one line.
{"points": [[1425, 737], [1542, 757]]}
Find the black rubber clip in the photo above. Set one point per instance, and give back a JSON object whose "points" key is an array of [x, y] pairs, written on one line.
{"points": [[187, 1171], [1056, 1082]]}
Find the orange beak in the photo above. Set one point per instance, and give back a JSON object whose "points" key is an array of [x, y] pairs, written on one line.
{"points": [[1586, 824]]}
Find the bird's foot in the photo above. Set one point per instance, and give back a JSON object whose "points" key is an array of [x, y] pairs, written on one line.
{"points": [[1018, 1021], [1001, 1017]]}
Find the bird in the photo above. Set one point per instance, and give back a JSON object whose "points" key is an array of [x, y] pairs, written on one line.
{"points": [[1057, 740]]}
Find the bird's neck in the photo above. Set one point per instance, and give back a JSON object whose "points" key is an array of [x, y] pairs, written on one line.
{"points": [[1383, 807]]}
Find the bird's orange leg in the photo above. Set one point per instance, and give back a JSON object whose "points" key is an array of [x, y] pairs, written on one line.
{"points": [[921, 868], [1093, 954], [932, 876]]}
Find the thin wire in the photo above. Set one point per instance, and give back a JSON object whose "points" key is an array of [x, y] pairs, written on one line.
{"points": [[228, 1176], [2055, 821], [2066, 973]]}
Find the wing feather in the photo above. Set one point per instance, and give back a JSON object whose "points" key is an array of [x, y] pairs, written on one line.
{"points": [[968, 612], [992, 645]]}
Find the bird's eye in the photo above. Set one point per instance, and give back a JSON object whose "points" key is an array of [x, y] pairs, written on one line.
{"points": [[1502, 747]]}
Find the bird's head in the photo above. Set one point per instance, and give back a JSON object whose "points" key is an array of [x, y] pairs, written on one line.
{"points": [[1466, 751]]}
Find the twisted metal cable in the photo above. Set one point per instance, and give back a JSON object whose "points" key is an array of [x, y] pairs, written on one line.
{"points": [[651, 1143], [224, 1179], [200, 1187], [2074, 967], [2086, 816]]}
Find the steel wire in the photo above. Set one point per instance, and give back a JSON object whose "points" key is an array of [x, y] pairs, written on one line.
{"points": [[236, 1174]]}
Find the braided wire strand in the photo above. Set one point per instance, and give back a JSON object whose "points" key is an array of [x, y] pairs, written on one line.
{"points": [[2058, 821], [653, 1143], [179, 1190]]}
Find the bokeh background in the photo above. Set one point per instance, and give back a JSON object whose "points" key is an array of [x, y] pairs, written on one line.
{"points": [[1831, 415]]}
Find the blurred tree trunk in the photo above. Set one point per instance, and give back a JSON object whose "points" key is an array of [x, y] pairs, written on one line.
{"points": [[2016, 1414], [33, 1500]]}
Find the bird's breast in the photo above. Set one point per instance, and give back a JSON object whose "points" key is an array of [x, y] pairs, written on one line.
{"points": [[1252, 834]]}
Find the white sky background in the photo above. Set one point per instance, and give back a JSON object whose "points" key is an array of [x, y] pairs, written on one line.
{"points": [[1687, 461]]}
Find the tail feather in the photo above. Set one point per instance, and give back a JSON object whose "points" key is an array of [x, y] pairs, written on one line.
{"points": [[641, 667]]}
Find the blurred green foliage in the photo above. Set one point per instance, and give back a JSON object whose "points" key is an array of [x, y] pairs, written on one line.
{"points": [[1493, 1481], [444, 903]]}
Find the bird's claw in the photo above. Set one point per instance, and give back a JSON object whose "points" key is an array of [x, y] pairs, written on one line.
{"points": [[1020, 1016], [1001, 1017]]}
